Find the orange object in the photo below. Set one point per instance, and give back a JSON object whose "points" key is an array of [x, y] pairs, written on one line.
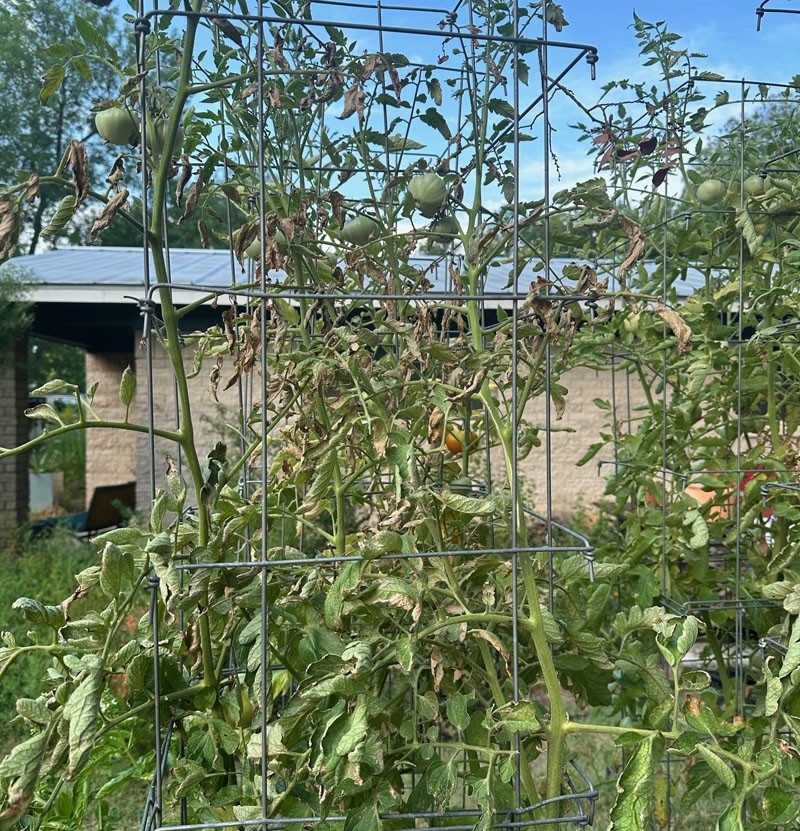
{"points": [[455, 441]]}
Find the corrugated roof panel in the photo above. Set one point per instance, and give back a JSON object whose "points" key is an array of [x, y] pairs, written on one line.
{"points": [[105, 266]]}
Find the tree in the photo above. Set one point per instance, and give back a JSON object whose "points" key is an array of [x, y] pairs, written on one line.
{"points": [[36, 135]]}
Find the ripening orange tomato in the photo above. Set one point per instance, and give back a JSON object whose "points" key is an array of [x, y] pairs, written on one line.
{"points": [[455, 440]]}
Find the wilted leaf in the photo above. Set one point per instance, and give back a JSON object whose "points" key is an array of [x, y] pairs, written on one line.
{"points": [[63, 214], [109, 212], [678, 325], [79, 162], [719, 767]]}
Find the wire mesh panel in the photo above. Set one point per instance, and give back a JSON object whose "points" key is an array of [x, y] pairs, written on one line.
{"points": [[376, 328]]}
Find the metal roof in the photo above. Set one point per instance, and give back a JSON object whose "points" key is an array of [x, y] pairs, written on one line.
{"points": [[104, 274]]}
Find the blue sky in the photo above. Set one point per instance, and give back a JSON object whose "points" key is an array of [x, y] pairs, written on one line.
{"points": [[724, 29]]}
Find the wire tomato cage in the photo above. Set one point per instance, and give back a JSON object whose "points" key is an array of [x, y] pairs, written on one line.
{"points": [[417, 83]]}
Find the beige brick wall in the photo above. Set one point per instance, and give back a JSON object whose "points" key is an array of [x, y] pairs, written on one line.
{"points": [[572, 485], [14, 430], [110, 454], [209, 417]]}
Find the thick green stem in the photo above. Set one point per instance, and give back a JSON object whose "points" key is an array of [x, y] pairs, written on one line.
{"points": [[728, 692]]}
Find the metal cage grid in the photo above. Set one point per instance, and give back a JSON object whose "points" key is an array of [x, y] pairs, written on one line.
{"points": [[258, 291]]}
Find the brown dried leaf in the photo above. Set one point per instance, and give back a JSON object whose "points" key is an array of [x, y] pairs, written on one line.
{"points": [[354, 102], [193, 197], [245, 236], [186, 174], [545, 311], [647, 146], [32, 188], [213, 378], [277, 52], [109, 212], [228, 29], [636, 249], [435, 424], [79, 162], [232, 192], [337, 203], [678, 325], [202, 229], [117, 172], [9, 232], [274, 97], [437, 668], [229, 331], [250, 89]]}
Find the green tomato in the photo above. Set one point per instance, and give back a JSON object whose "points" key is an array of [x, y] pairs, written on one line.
{"points": [[116, 125], [253, 251], [157, 136], [752, 185], [429, 193], [444, 229], [710, 192], [631, 324], [359, 230]]}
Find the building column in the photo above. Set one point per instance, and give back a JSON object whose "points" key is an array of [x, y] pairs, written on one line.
{"points": [[110, 454], [14, 430]]}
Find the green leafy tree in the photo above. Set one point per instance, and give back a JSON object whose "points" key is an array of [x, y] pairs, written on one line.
{"points": [[38, 126]]}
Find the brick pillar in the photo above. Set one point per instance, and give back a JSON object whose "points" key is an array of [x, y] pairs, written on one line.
{"points": [[110, 454], [14, 430]]}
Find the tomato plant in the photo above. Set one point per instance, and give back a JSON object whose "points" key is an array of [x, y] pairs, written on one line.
{"points": [[349, 622]]}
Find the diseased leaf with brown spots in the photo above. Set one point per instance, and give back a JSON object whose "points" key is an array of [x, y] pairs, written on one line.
{"points": [[78, 160], [679, 327], [109, 212]]}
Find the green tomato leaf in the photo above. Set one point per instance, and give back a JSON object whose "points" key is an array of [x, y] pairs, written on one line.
{"points": [[520, 718], [774, 689], [81, 711], [635, 788], [51, 81], [731, 819], [719, 767], [457, 713]]}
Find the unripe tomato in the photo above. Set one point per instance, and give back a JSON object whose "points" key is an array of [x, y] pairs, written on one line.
{"points": [[631, 324], [116, 125], [752, 185], [429, 193], [157, 136], [253, 251], [246, 709], [455, 440], [710, 192], [444, 229], [359, 230]]}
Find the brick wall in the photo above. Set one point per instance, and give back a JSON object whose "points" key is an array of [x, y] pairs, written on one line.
{"points": [[110, 454], [208, 417], [572, 485], [14, 430]]}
